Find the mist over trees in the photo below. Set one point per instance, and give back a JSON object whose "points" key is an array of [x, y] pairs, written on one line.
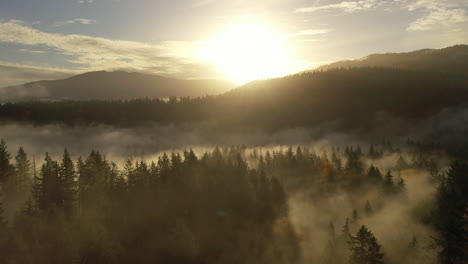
{"points": [[231, 205], [361, 162]]}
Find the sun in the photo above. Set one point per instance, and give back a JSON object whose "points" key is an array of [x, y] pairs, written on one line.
{"points": [[249, 51]]}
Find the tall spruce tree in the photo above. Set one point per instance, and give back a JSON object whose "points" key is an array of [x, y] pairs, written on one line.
{"points": [[23, 171], [47, 191], [364, 248], [6, 169], [68, 181], [450, 216]]}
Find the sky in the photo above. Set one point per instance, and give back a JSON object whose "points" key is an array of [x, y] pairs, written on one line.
{"points": [[52, 39]]}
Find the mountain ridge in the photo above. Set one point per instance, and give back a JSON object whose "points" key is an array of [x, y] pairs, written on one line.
{"points": [[113, 85]]}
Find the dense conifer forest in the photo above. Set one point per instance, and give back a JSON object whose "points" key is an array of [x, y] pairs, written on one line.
{"points": [[301, 204]]}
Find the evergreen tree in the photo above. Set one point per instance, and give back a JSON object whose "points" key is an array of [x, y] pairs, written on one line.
{"points": [[67, 181], [6, 169], [4, 236], [279, 197], [450, 215], [346, 231], [23, 173], [164, 168], [374, 174], [364, 248], [401, 164], [401, 186], [355, 218], [47, 191], [368, 208], [388, 183], [354, 164], [337, 162]]}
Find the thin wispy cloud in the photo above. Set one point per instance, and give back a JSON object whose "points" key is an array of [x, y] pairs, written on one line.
{"points": [[82, 21], [444, 17], [32, 51], [307, 32], [440, 13], [346, 6]]}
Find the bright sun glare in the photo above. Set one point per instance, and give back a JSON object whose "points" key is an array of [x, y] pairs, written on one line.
{"points": [[248, 52]]}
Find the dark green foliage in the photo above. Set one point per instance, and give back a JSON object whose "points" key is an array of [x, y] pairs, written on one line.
{"points": [[389, 183], [23, 171], [6, 169], [68, 180], [181, 210], [47, 187], [354, 163], [374, 153], [364, 248], [185, 209], [450, 216], [374, 174]]}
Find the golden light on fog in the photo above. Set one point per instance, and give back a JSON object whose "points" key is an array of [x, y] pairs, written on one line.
{"points": [[247, 52]]}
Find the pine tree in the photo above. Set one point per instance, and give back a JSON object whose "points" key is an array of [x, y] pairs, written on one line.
{"points": [[355, 217], [354, 164], [6, 169], [388, 183], [4, 236], [364, 248], [450, 215], [401, 164], [279, 197], [368, 208], [23, 173], [337, 162], [47, 191], [346, 231], [401, 186], [67, 181], [374, 174]]}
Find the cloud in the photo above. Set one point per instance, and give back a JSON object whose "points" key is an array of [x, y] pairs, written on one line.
{"points": [[94, 53], [82, 21], [13, 74], [307, 32], [444, 17], [32, 51], [346, 6], [438, 13], [86, 1]]}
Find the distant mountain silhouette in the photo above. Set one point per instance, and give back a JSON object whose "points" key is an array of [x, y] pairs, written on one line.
{"points": [[103, 85], [452, 60]]}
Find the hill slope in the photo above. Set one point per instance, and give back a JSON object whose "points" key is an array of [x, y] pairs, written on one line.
{"points": [[352, 98], [104, 85], [452, 60]]}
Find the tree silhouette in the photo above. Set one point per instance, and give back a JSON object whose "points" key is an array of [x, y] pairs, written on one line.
{"points": [[364, 248]]}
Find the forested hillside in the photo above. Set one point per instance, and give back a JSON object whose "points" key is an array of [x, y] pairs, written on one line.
{"points": [[451, 60], [349, 98]]}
